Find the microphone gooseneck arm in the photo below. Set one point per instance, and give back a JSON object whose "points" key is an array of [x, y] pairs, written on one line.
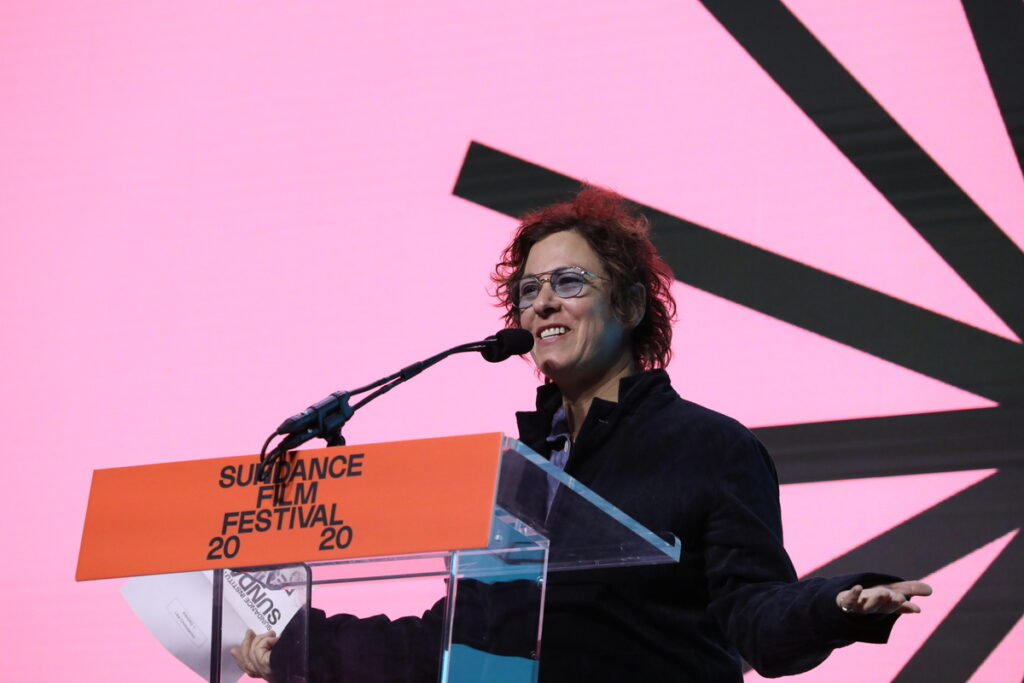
{"points": [[325, 418]]}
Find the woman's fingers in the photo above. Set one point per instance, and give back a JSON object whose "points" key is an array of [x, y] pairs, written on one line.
{"points": [[253, 654], [886, 599]]}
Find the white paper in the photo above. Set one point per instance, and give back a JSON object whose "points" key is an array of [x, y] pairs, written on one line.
{"points": [[176, 608]]}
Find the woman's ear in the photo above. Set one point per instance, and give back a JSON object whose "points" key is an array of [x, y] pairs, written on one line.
{"points": [[637, 305]]}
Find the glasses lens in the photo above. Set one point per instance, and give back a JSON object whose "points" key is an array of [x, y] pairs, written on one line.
{"points": [[567, 283], [525, 291]]}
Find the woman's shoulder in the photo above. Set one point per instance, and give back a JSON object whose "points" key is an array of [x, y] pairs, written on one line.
{"points": [[667, 411]]}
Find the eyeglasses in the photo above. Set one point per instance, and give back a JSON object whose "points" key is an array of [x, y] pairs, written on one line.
{"points": [[566, 283]]}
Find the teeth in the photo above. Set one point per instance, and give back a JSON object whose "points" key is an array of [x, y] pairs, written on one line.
{"points": [[552, 331]]}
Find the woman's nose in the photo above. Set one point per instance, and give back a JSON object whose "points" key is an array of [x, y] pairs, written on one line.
{"points": [[546, 299]]}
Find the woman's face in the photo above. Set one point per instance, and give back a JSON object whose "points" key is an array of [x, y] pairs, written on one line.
{"points": [[578, 342]]}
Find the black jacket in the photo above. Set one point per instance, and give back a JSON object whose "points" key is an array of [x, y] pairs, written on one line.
{"points": [[673, 466]]}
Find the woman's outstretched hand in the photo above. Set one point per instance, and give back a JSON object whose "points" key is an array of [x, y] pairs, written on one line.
{"points": [[253, 655], [887, 599]]}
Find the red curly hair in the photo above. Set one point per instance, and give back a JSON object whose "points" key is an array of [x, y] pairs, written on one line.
{"points": [[620, 236]]}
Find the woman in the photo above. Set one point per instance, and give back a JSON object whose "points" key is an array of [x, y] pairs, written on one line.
{"points": [[584, 279]]}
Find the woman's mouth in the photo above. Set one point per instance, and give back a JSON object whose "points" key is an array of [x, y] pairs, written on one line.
{"points": [[553, 331]]}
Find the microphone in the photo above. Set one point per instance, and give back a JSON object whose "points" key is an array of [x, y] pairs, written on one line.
{"points": [[505, 344], [496, 348], [325, 418]]}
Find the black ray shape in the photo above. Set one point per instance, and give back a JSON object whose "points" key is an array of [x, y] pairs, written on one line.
{"points": [[984, 616], [914, 337], [917, 187], [998, 28], [943, 533], [904, 444]]}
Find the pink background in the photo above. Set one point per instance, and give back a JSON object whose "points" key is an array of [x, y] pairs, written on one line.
{"points": [[216, 213]]}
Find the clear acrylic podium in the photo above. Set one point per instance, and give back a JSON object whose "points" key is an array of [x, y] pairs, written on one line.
{"points": [[468, 615]]}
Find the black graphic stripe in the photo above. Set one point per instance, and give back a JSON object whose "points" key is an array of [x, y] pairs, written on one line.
{"points": [[902, 444], [916, 338], [941, 534], [984, 616], [998, 28], [917, 187]]}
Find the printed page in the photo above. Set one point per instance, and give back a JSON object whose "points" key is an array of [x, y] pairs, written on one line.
{"points": [[176, 608]]}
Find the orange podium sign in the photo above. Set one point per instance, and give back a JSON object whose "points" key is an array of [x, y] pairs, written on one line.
{"points": [[321, 504]]}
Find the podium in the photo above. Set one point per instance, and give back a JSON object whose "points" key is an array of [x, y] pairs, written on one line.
{"points": [[482, 516]]}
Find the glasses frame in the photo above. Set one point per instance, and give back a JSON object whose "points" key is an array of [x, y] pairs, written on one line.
{"points": [[539, 277]]}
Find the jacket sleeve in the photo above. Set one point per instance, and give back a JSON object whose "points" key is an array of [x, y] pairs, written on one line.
{"points": [[346, 649], [499, 618], [781, 626]]}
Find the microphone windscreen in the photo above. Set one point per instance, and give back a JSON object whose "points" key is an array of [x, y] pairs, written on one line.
{"points": [[517, 341], [506, 343]]}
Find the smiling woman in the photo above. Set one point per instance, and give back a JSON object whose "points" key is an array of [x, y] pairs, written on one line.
{"points": [[638, 280], [584, 279]]}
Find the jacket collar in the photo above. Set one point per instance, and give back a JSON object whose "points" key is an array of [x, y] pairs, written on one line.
{"points": [[534, 426]]}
